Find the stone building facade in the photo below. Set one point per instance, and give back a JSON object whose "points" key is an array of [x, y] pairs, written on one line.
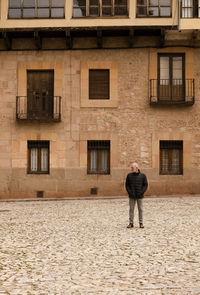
{"points": [[145, 57]]}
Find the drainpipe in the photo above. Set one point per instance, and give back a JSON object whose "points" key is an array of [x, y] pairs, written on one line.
{"points": [[179, 14]]}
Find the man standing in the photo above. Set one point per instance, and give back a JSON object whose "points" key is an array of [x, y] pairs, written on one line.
{"points": [[136, 186]]}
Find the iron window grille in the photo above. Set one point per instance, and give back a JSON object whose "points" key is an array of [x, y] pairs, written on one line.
{"points": [[98, 157], [171, 157], [38, 157], [100, 8], [153, 8], [36, 9]]}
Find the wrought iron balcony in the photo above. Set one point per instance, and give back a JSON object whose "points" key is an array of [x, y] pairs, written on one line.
{"points": [[27, 109], [175, 91]]}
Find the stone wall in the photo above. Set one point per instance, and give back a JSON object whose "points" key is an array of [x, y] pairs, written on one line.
{"points": [[133, 126]]}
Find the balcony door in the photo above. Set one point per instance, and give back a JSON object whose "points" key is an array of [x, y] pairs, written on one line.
{"points": [[40, 94], [171, 78]]}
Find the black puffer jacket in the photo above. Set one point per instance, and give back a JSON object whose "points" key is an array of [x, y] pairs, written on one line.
{"points": [[136, 184]]}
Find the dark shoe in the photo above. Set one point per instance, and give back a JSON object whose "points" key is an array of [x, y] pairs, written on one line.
{"points": [[130, 225], [141, 225]]}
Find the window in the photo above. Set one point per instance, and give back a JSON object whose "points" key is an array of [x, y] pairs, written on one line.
{"points": [[36, 9], [95, 8], [99, 87], [153, 8], [171, 157], [98, 157], [38, 157], [171, 78], [190, 8]]}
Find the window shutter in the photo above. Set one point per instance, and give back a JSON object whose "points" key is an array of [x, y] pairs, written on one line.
{"points": [[99, 84]]}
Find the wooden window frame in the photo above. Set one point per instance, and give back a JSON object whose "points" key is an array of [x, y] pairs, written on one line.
{"points": [[170, 150], [107, 92], [38, 145], [101, 6], [99, 147], [36, 7], [148, 7]]}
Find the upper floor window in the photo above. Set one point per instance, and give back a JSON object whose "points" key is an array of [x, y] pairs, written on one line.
{"points": [[190, 8], [36, 9], [171, 157], [99, 86], [153, 8], [103, 8]]}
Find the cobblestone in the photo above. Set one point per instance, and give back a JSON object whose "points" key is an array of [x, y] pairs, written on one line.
{"points": [[83, 247]]}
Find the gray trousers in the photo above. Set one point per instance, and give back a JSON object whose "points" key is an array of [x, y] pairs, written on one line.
{"points": [[132, 203]]}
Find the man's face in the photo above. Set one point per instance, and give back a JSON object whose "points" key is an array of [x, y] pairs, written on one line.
{"points": [[134, 168]]}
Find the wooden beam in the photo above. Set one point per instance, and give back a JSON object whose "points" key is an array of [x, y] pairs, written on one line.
{"points": [[162, 37], [7, 40], [38, 40], [68, 37], [131, 37], [99, 39]]}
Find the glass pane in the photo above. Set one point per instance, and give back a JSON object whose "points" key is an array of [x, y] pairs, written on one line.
{"points": [[79, 3], [121, 11], [175, 161], [34, 157], [120, 2], [165, 2], [104, 160], [43, 12], [153, 3], [177, 70], [106, 2], [44, 159], [164, 70], [93, 160], [57, 12], [142, 11], [187, 3], [29, 13], [94, 2], [165, 11], [79, 12], [142, 2], [14, 3], [43, 3], [14, 13], [29, 3], [94, 11], [57, 3], [107, 11], [153, 11]]}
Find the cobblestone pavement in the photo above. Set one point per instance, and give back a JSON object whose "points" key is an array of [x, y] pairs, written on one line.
{"points": [[83, 247]]}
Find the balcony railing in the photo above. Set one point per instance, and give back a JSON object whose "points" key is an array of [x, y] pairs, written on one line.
{"points": [[190, 8], [175, 91], [25, 110]]}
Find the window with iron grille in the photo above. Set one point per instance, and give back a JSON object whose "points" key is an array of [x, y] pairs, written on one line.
{"points": [[36, 9], [38, 157], [153, 8], [102, 8], [98, 157], [99, 84], [190, 8], [171, 157]]}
